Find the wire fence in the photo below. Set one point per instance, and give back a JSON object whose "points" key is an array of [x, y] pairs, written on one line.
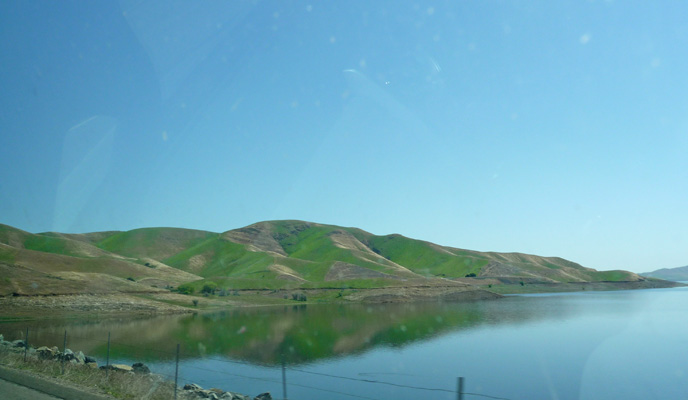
{"points": [[183, 366]]}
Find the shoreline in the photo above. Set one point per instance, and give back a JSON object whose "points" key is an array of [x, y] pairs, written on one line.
{"points": [[68, 306]]}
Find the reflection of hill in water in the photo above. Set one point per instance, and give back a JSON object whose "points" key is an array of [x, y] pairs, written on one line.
{"points": [[300, 333]]}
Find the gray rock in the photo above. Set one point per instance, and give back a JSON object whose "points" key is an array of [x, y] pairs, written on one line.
{"points": [[140, 368], [263, 396], [68, 355], [239, 396], [90, 360], [80, 357], [192, 386], [117, 367], [18, 343], [208, 394], [197, 392]]}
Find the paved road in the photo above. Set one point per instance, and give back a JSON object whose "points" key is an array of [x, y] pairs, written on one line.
{"points": [[12, 391]]}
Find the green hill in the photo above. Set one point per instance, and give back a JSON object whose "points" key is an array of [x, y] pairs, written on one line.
{"points": [[278, 255], [155, 243], [54, 263]]}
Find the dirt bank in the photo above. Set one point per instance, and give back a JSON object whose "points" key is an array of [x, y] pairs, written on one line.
{"points": [[540, 287], [415, 294], [49, 306]]}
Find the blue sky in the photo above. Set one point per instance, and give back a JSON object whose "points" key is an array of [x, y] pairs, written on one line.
{"points": [[551, 128]]}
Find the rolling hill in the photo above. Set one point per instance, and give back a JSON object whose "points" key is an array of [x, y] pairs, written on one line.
{"points": [[669, 274], [266, 255]]}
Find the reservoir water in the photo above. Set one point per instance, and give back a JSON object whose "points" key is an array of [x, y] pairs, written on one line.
{"points": [[587, 345]]}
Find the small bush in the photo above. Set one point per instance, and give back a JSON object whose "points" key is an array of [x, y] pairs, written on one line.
{"points": [[131, 279], [298, 297], [185, 289], [195, 302], [522, 284], [471, 275], [209, 288]]}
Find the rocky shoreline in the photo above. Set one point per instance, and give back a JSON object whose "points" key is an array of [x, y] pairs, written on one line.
{"points": [[189, 391]]}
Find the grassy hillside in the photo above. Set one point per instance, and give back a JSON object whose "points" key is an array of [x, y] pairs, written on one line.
{"points": [[155, 243], [53, 263], [278, 254]]}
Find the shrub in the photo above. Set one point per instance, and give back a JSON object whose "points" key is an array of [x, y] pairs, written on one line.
{"points": [[209, 288], [522, 284], [185, 289], [131, 279], [471, 275], [299, 297], [195, 302]]}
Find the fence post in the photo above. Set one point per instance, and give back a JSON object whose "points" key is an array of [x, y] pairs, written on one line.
{"points": [[26, 342], [284, 380], [64, 350], [176, 373], [107, 362], [459, 389]]}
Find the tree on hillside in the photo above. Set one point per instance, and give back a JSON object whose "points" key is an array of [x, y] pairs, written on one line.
{"points": [[209, 288]]}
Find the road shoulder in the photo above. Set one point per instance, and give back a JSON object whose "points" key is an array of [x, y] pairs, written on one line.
{"points": [[46, 386]]}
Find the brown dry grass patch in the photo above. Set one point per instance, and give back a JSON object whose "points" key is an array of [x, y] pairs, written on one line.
{"points": [[116, 384]]}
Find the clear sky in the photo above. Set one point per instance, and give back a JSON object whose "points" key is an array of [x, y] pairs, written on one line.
{"points": [[557, 128]]}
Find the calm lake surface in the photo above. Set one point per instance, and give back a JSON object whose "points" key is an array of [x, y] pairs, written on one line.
{"points": [[588, 345]]}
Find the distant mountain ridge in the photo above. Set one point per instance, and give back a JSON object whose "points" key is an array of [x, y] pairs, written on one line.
{"points": [[669, 274], [267, 255]]}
